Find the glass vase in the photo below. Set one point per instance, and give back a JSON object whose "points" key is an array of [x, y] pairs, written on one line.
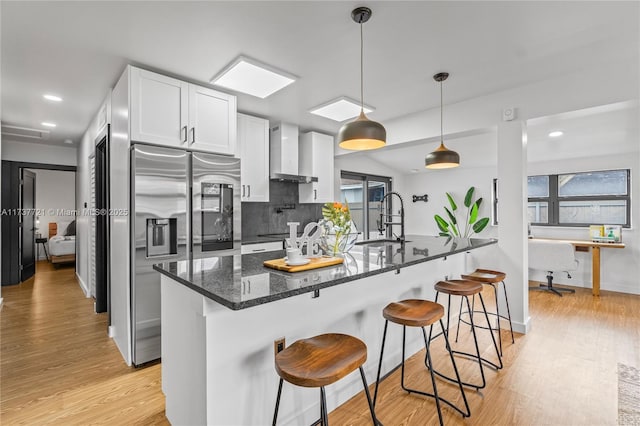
{"points": [[333, 241]]}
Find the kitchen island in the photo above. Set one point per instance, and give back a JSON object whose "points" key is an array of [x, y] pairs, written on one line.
{"points": [[221, 315]]}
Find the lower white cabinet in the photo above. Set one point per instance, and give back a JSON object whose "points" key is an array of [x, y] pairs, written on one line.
{"points": [[262, 247]]}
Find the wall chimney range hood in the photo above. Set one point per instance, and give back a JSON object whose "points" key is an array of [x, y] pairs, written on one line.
{"points": [[284, 154]]}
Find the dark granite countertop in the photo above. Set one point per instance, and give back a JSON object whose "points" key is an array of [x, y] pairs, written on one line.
{"points": [[241, 281]]}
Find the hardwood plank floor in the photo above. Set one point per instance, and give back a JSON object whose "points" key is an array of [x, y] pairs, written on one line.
{"points": [[58, 366], [564, 372]]}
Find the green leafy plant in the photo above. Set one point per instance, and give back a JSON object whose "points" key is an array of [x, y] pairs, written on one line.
{"points": [[472, 224]]}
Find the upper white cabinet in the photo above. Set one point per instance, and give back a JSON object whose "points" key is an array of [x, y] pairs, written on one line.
{"points": [[316, 159], [167, 111], [253, 140], [212, 120]]}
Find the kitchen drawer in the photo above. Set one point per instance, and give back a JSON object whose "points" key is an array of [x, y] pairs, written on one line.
{"points": [[262, 247]]}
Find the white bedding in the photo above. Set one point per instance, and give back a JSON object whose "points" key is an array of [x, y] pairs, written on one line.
{"points": [[59, 245]]}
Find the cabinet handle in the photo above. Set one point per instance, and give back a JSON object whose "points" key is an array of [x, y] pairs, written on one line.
{"points": [[315, 194], [184, 138], [248, 191], [243, 190], [257, 250], [193, 134]]}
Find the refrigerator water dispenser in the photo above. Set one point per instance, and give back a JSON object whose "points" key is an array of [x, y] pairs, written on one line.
{"points": [[161, 237]]}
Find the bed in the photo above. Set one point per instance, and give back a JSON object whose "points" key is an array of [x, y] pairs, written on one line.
{"points": [[62, 248]]}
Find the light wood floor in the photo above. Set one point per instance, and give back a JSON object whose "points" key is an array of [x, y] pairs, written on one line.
{"points": [[59, 367]]}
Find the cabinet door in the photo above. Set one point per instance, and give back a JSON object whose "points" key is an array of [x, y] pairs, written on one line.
{"points": [[212, 120], [316, 159], [253, 138], [323, 167], [158, 110]]}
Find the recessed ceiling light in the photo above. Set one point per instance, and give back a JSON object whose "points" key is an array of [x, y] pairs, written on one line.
{"points": [[48, 124], [414, 170], [253, 78], [555, 134], [68, 141], [340, 109], [53, 98]]}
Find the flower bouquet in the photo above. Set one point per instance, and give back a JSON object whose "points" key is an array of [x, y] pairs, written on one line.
{"points": [[339, 233]]}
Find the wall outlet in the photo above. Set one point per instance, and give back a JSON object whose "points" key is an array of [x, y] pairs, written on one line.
{"points": [[446, 277], [278, 345]]}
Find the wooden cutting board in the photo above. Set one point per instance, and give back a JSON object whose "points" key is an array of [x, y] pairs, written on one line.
{"points": [[317, 262]]}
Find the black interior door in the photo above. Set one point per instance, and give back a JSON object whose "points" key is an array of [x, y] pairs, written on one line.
{"points": [[27, 225], [102, 224]]}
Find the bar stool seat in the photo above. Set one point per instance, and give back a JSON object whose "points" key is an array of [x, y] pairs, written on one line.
{"points": [[494, 279], [320, 361], [459, 287], [413, 312], [466, 288], [419, 313]]}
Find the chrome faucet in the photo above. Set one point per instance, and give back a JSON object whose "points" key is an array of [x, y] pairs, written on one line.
{"points": [[382, 223]]}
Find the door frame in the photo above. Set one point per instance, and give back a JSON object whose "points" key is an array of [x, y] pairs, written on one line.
{"points": [[27, 221], [10, 201]]}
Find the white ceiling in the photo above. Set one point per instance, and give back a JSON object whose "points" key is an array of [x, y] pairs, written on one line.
{"points": [[78, 49]]}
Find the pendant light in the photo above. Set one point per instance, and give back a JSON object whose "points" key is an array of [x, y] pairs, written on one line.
{"points": [[362, 134], [441, 158]]}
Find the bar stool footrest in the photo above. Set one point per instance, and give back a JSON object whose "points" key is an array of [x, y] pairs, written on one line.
{"points": [[482, 326], [449, 403]]}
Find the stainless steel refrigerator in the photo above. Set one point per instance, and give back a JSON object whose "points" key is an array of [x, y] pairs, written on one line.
{"points": [[184, 206]]}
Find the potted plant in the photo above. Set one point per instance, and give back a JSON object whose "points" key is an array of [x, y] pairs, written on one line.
{"points": [[472, 224]]}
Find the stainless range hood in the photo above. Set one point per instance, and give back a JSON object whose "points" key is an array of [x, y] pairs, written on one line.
{"points": [[284, 154]]}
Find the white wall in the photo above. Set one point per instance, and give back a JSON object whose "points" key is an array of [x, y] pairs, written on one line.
{"points": [[38, 153], [56, 197]]}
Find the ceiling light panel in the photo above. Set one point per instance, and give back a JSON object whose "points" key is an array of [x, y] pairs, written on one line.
{"points": [[340, 109], [52, 98], [48, 124], [248, 76], [556, 134]]}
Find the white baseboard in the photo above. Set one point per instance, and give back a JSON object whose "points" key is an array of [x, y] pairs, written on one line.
{"points": [[83, 286], [1, 299], [112, 331]]}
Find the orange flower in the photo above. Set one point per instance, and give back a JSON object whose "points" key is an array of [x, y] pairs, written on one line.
{"points": [[337, 205], [345, 209]]}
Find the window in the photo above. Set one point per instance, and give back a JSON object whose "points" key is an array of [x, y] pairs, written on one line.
{"points": [[580, 199], [364, 195]]}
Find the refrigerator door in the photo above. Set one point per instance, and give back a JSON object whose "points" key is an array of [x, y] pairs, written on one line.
{"points": [[160, 233], [215, 205]]}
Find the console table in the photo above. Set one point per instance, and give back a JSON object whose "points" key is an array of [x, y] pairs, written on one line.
{"points": [[585, 245]]}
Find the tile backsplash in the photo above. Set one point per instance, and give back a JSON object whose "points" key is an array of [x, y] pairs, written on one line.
{"points": [[283, 207]]}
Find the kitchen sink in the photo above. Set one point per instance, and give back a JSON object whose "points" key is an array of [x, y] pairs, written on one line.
{"points": [[379, 243]]}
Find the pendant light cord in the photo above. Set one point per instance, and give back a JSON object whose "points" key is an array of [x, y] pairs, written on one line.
{"points": [[441, 114], [361, 70]]}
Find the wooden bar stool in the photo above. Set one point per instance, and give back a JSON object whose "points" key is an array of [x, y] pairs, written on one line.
{"points": [[320, 361], [419, 313], [492, 278], [466, 288]]}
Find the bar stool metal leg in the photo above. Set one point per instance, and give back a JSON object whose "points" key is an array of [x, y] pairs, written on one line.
{"points": [[506, 299], [323, 405], [275, 414]]}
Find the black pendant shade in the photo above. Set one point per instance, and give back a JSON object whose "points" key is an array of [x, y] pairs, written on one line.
{"points": [[442, 157], [362, 134]]}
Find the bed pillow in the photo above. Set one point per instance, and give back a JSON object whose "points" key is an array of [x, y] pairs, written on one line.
{"points": [[71, 229]]}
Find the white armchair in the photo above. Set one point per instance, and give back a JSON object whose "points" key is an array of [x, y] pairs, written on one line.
{"points": [[552, 256]]}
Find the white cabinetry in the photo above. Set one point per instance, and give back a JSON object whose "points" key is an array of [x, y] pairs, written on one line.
{"points": [[253, 140], [316, 159], [262, 247], [167, 111]]}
